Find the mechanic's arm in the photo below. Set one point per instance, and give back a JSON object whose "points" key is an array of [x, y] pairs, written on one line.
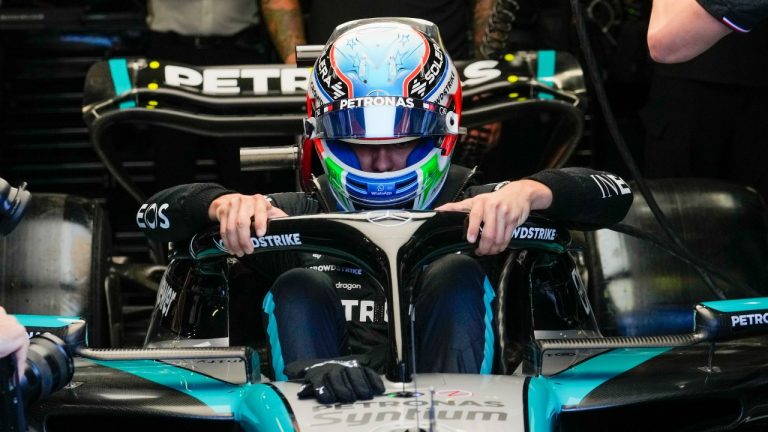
{"points": [[680, 30], [13, 340], [285, 23], [236, 214], [481, 13]]}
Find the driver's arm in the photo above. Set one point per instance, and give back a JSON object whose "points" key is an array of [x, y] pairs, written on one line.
{"points": [[493, 216], [179, 212], [237, 214], [574, 196]]}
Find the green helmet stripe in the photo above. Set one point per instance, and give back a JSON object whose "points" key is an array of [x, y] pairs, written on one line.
{"points": [[431, 175], [335, 175]]}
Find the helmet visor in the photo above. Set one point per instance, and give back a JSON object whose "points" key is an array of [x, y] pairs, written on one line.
{"points": [[383, 117]]}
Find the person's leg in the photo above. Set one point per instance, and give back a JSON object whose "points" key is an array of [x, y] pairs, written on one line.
{"points": [[453, 325], [305, 319]]}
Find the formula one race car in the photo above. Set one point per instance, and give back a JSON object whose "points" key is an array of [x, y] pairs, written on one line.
{"points": [[553, 369], [569, 377]]}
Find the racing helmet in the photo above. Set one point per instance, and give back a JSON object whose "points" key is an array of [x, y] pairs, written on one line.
{"points": [[384, 81]]}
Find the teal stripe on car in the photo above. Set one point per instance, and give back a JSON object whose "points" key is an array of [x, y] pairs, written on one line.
{"points": [[262, 409], [488, 296], [545, 71], [741, 305], [548, 395], [119, 70], [218, 395], [46, 320], [257, 407], [278, 363]]}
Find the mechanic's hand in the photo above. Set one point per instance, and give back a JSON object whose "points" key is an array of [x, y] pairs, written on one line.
{"points": [[13, 340], [343, 380], [236, 213], [497, 214]]}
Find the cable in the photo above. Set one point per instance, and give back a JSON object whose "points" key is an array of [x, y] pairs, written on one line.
{"points": [[693, 261], [500, 25], [591, 68]]}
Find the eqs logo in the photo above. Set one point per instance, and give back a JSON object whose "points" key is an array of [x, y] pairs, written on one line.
{"points": [[152, 216]]}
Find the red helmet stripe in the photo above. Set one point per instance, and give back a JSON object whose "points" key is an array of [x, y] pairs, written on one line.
{"points": [[416, 71], [346, 80]]}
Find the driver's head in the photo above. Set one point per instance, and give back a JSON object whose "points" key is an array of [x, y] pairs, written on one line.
{"points": [[384, 102]]}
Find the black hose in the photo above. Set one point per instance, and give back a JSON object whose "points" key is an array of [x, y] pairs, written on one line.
{"points": [[500, 25], [692, 260]]}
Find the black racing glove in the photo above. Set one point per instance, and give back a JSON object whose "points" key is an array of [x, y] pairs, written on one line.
{"points": [[343, 379]]}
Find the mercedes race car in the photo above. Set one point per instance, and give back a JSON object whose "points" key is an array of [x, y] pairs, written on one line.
{"points": [[567, 376], [595, 332]]}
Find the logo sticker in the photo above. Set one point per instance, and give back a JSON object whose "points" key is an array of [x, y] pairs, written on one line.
{"points": [[389, 218], [455, 393]]}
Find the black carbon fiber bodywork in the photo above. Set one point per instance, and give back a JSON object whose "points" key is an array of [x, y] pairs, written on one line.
{"points": [[101, 392], [682, 390]]}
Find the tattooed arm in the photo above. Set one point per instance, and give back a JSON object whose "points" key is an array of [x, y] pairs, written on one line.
{"points": [[286, 26], [481, 14]]}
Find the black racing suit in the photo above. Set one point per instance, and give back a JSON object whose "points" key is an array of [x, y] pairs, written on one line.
{"points": [[323, 307]]}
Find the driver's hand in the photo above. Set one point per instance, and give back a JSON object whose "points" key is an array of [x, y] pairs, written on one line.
{"points": [[236, 214], [13, 340], [340, 380], [495, 215]]}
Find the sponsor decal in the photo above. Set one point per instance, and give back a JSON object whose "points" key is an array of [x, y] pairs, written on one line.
{"points": [[479, 72], [388, 218], [165, 296], [329, 80], [333, 267], [371, 412], [348, 286], [448, 86], [454, 393], [747, 320], [276, 240], [235, 81], [373, 101], [153, 216], [523, 233], [611, 185], [364, 310], [367, 101], [433, 69]]}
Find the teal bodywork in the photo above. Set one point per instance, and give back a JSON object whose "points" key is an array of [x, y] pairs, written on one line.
{"points": [[547, 396], [545, 71], [257, 407], [45, 320], [120, 79], [741, 305]]}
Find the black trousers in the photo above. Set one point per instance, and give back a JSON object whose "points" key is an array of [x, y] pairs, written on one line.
{"points": [[452, 318]]}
